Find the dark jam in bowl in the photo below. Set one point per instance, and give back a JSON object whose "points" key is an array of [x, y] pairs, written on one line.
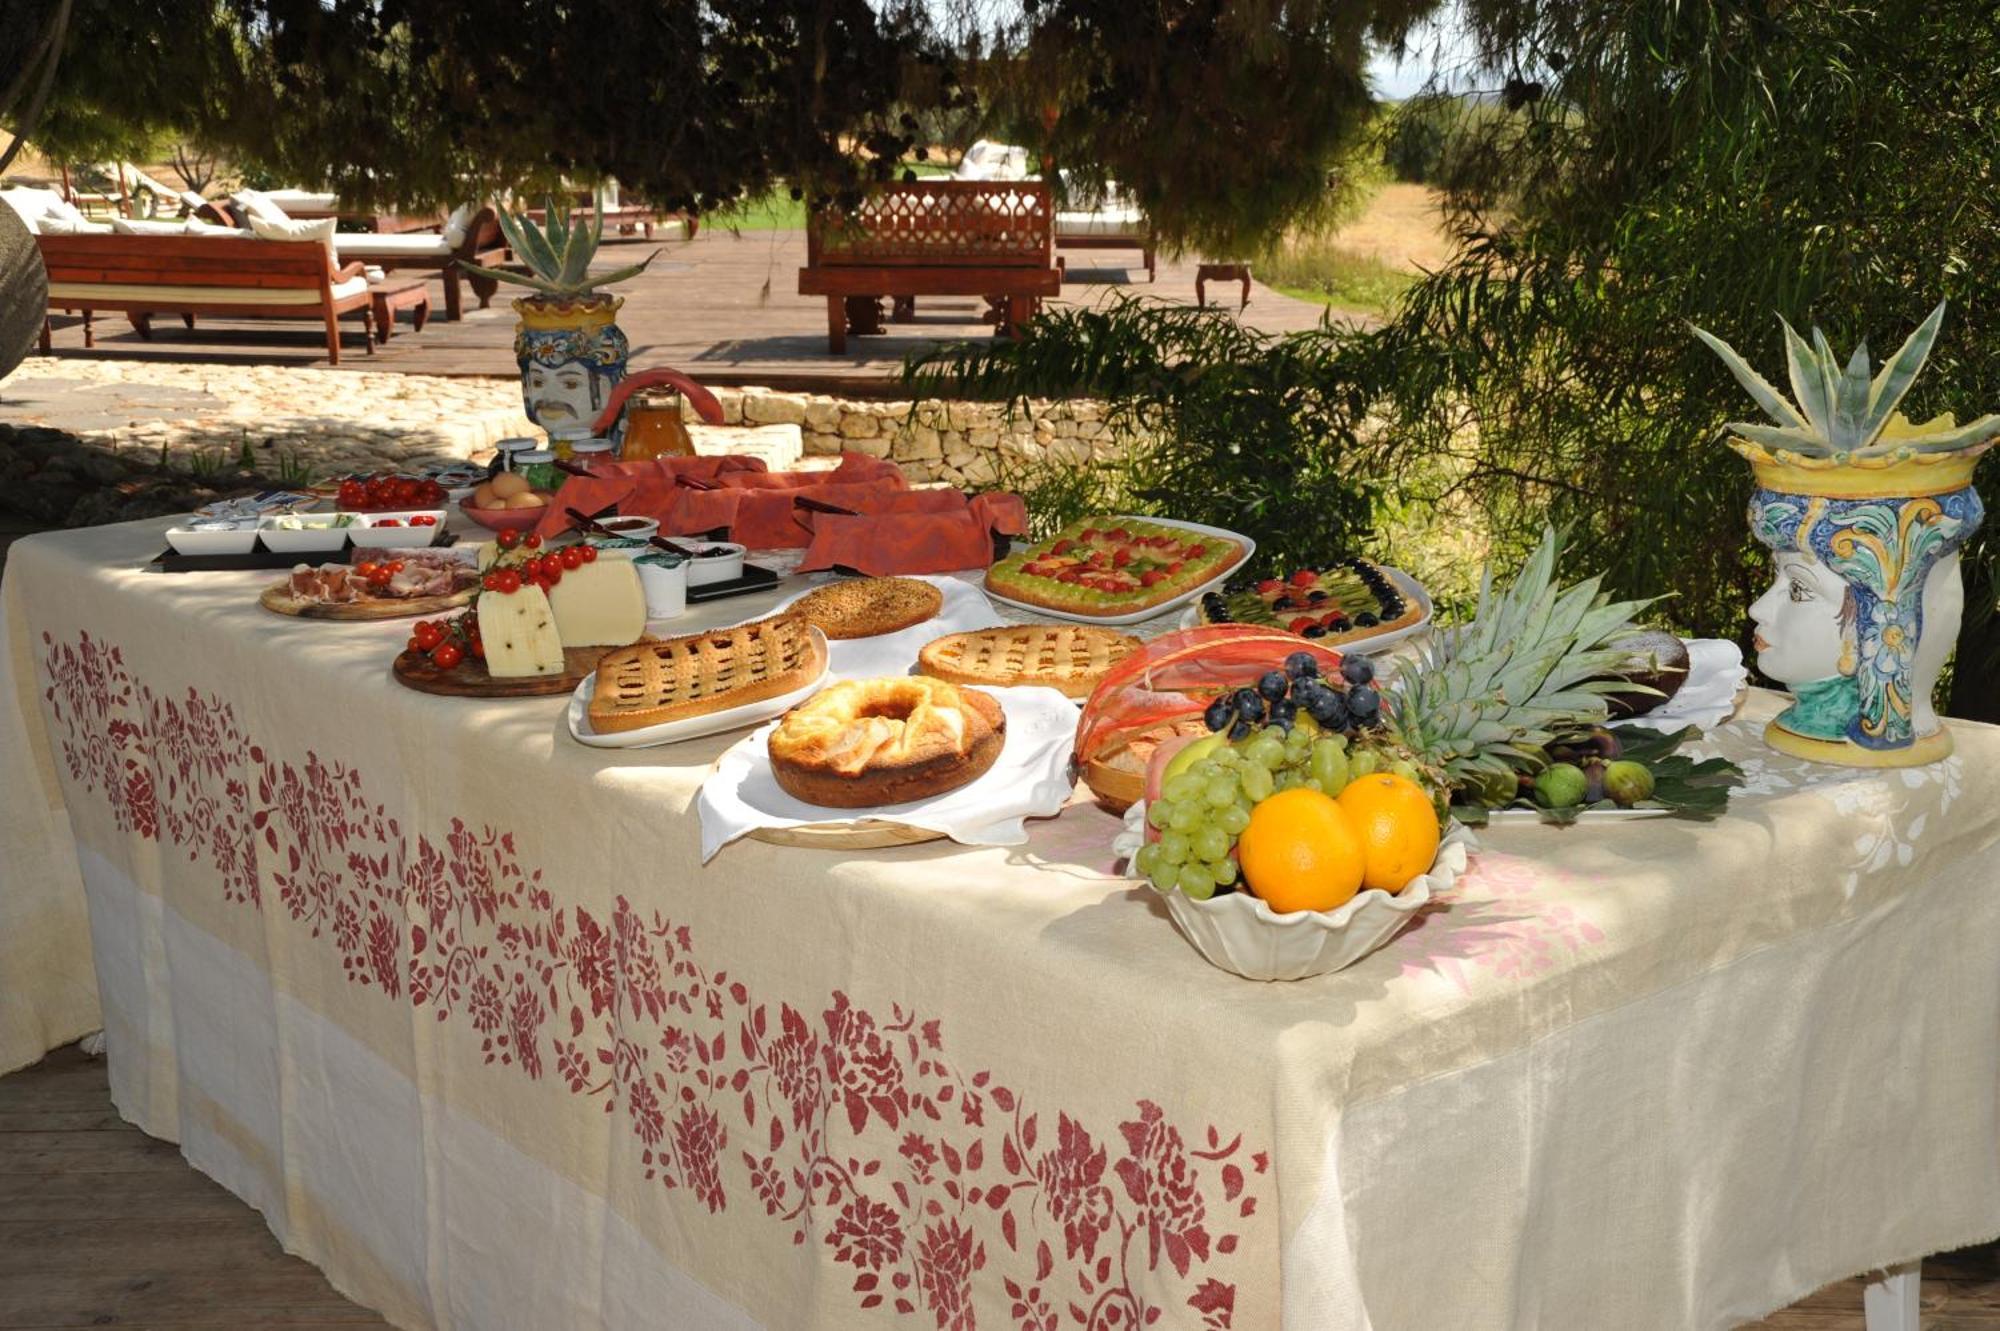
{"points": [[626, 524]]}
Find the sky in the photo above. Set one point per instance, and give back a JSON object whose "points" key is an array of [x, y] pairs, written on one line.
{"points": [[1444, 45]]}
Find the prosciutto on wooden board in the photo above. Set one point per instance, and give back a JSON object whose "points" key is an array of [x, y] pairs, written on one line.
{"points": [[1176, 675]]}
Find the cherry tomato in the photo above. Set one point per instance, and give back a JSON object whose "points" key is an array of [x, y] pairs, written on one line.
{"points": [[589, 554], [533, 540], [551, 576], [413, 646], [507, 540], [508, 580], [379, 576], [366, 568], [394, 566], [572, 557], [447, 655], [478, 649], [428, 634], [390, 522]]}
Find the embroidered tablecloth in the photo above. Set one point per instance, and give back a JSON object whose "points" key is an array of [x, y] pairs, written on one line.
{"points": [[451, 999]]}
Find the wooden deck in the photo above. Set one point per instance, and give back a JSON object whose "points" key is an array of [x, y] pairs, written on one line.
{"points": [[101, 1225], [724, 307]]}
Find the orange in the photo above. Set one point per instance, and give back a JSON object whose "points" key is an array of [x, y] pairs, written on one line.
{"points": [[1398, 827], [1300, 852]]}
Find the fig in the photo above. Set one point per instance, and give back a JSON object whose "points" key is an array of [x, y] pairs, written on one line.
{"points": [[1627, 783], [1494, 789], [1560, 786], [1593, 780], [1659, 663]]}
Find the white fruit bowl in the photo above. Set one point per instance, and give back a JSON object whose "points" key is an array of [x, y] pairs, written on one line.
{"points": [[1241, 934]]}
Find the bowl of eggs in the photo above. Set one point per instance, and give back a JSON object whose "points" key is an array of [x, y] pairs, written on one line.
{"points": [[505, 503]]}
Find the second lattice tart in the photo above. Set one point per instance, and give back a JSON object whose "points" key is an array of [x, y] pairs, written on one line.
{"points": [[1069, 658]]}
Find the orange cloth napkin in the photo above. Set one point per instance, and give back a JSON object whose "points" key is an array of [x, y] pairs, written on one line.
{"points": [[923, 531], [644, 488]]}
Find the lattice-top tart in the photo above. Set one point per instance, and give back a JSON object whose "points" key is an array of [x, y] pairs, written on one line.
{"points": [[1344, 603], [1069, 657], [650, 683], [1112, 566]]}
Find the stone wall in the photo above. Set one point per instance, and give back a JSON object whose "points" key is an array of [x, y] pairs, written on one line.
{"points": [[337, 420], [959, 443]]}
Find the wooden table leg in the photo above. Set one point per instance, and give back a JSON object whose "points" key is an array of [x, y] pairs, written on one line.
{"points": [[385, 318], [419, 316], [836, 325], [1889, 1299]]}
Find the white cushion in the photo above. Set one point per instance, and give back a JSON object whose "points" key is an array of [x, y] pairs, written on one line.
{"points": [[138, 227], [455, 225], [63, 210], [31, 205], [63, 226], [320, 233], [193, 202], [1103, 222], [408, 245], [987, 160], [301, 200], [201, 295], [256, 205]]}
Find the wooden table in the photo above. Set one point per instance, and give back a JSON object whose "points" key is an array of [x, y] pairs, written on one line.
{"points": [[1221, 272], [396, 294]]}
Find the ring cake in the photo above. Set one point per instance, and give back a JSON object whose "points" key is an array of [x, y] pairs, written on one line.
{"points": [[656, 682], [868, 742], [865, 607], [1069, 658]]}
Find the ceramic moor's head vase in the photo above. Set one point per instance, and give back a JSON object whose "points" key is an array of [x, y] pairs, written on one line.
{"points": [[1864, 514]]}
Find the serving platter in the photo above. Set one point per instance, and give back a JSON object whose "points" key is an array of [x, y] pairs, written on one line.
{"points": [[1166, 607], [691, 727], [468, 679], [1412, 590], [279, 601]]}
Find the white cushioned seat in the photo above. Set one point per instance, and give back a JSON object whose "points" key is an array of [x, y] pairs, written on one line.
{"points": [[1113, 222], [202, 295], [408, 245]]}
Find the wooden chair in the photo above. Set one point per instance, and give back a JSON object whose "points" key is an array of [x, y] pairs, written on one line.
{"points": [[226, 276], [932, 238]]}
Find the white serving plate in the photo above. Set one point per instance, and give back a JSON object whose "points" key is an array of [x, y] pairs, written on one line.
{"points": [[1153, 612], [369, 531], [1413, 591], [218, 537], [692, 727], [315, 535]]}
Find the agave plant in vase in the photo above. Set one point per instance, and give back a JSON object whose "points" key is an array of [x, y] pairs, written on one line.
{"points": [[1865, 513], [568, 344]]}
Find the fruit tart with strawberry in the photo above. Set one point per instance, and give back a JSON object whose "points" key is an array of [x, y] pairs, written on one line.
{"points": [[1101, 568], [1345, 603]]}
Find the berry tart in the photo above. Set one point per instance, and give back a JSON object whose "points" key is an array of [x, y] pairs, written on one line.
{"points": [[1348, 602], [1107, 567]]}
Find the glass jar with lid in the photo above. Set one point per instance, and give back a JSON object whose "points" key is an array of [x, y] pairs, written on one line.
{"points": [[507, 450], [539, 469]]}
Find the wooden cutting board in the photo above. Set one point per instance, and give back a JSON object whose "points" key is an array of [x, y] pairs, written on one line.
{"points": [[468, 679], [279, 601]]}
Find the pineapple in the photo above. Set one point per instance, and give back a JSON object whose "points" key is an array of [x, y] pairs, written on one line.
{"points": [[1486, 698], [557, 256], [1842, 414]]}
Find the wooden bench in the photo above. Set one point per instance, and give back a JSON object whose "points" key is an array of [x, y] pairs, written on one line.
{"points": [[990, 238], [224, 276]]}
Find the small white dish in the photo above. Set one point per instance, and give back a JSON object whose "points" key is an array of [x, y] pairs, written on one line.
{"points": [[634, 528], [693, 727], [1413, 591], [724, 567], [308, 533], [214, 536], [393, 531], [1164, 607], [666, 587], [1709, 696]]}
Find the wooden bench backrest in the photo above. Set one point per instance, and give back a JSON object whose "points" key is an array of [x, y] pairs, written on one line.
{"points": [[985, 223], [213, 261]]}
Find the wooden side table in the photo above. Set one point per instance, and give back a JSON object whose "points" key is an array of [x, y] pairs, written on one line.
{"points": [[1221, 272], [391, 295]]}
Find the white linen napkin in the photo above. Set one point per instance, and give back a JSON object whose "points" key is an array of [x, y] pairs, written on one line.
{"points": [[1708, 696], [1030, 780]]}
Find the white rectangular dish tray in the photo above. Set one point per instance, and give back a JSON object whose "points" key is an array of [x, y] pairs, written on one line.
{"points": [[1151, 612]]}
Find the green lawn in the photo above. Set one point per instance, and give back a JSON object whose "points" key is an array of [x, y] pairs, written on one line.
{"points": [[1318, 271]]}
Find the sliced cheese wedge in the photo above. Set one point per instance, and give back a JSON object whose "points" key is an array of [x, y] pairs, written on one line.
{"points": [[519, 630], [601, 604]]}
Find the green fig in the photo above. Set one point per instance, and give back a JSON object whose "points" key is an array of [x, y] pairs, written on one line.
{"points": [[1628, 783], [1494, 789], [1560, 786]]}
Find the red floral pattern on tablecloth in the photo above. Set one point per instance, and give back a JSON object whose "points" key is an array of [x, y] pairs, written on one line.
{"points": [[942, 1190]]}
